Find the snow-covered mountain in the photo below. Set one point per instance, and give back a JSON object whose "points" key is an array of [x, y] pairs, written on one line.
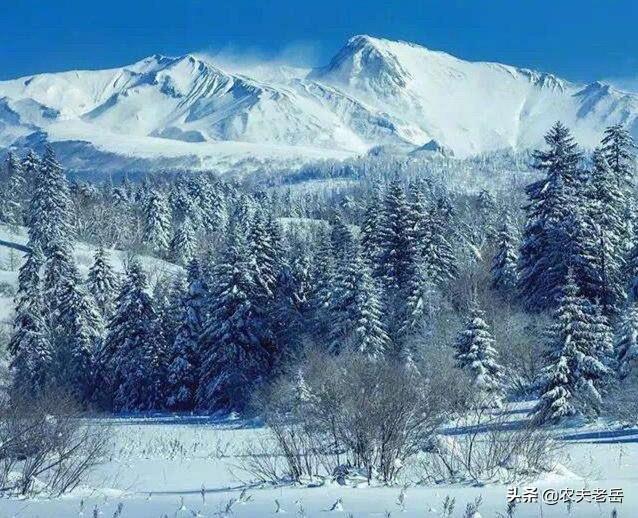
{"points": [[186, 111]]}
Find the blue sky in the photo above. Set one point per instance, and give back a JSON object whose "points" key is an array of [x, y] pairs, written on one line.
{"points": [[581, 40]]}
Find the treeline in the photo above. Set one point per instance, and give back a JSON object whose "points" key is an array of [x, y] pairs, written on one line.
{"points": [[392, 268]]}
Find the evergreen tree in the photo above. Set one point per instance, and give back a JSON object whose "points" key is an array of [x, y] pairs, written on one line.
{"points": [[184, 243], [15, 191], [322, 275], [475, 354], [102, 282], [398, 265], [574, 370], [169, 294], [504, 265], [370, 239], [157, 223], [183, 370], [76, 329], [134, 350], [618, 148], [357, 322], [292, 313], [550, 201], [233, 357], [439, 262], [49, 218], [264, 257], [29, 346], [606, 206]]}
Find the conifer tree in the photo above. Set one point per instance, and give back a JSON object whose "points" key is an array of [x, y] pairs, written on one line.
{"points": [[370, 228], [574, 370], [169, 294], [619, 149], [184, 243], [322, 275], [264, 256], [133, 349], [475, 354], [397, 267], [439, 262], [183, 370], [356, 312], [504, 265], [233, 356], [606, 198], [102, 283], [76, 331], [29, 345], [550, 201], [15, 197], [157, 223], [49, 218]]}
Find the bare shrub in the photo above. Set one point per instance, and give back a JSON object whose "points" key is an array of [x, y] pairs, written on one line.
{"points": [[486, 446], [46, 446], [347, 414]]}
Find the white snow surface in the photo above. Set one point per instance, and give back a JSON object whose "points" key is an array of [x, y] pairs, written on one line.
{"points": [[160, 464], [188, 110]]}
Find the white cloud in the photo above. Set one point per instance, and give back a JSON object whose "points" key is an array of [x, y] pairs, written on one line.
{"points": [[629, 84], [303, 54]]}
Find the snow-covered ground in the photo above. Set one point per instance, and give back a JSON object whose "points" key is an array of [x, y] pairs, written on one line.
{"points": [[192, 466]]}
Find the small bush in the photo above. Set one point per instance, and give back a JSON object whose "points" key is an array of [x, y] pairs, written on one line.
{"points": [[486, 446], [349, 415], [45, 446]]}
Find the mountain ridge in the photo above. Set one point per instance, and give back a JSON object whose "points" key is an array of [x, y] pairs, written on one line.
{"points": [[372, 92]]}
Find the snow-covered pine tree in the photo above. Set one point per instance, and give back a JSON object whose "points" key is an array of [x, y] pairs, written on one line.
{"points": [[574, 371], [626, 340], [574, 247], [29, 345], [505, 262], [31, 166], [488, 214], [322, 285], [183, 369], [476, 355], [549, 201], [357, 323], [102, 282], [76, 331], [397, 266], [606, 205], [233, 356], [133, 350], [292, 312], [265, 259], [157, 223], [49, 217], [439, 262], [184, 243], [14, 201], [370, 227], [619, 150], [168, 297]]}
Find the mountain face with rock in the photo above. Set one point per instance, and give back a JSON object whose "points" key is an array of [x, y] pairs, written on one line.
{"points": [[189, 112]]}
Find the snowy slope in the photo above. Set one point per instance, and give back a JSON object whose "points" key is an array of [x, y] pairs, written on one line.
{"points": [[11, 239], [188, 110]]}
